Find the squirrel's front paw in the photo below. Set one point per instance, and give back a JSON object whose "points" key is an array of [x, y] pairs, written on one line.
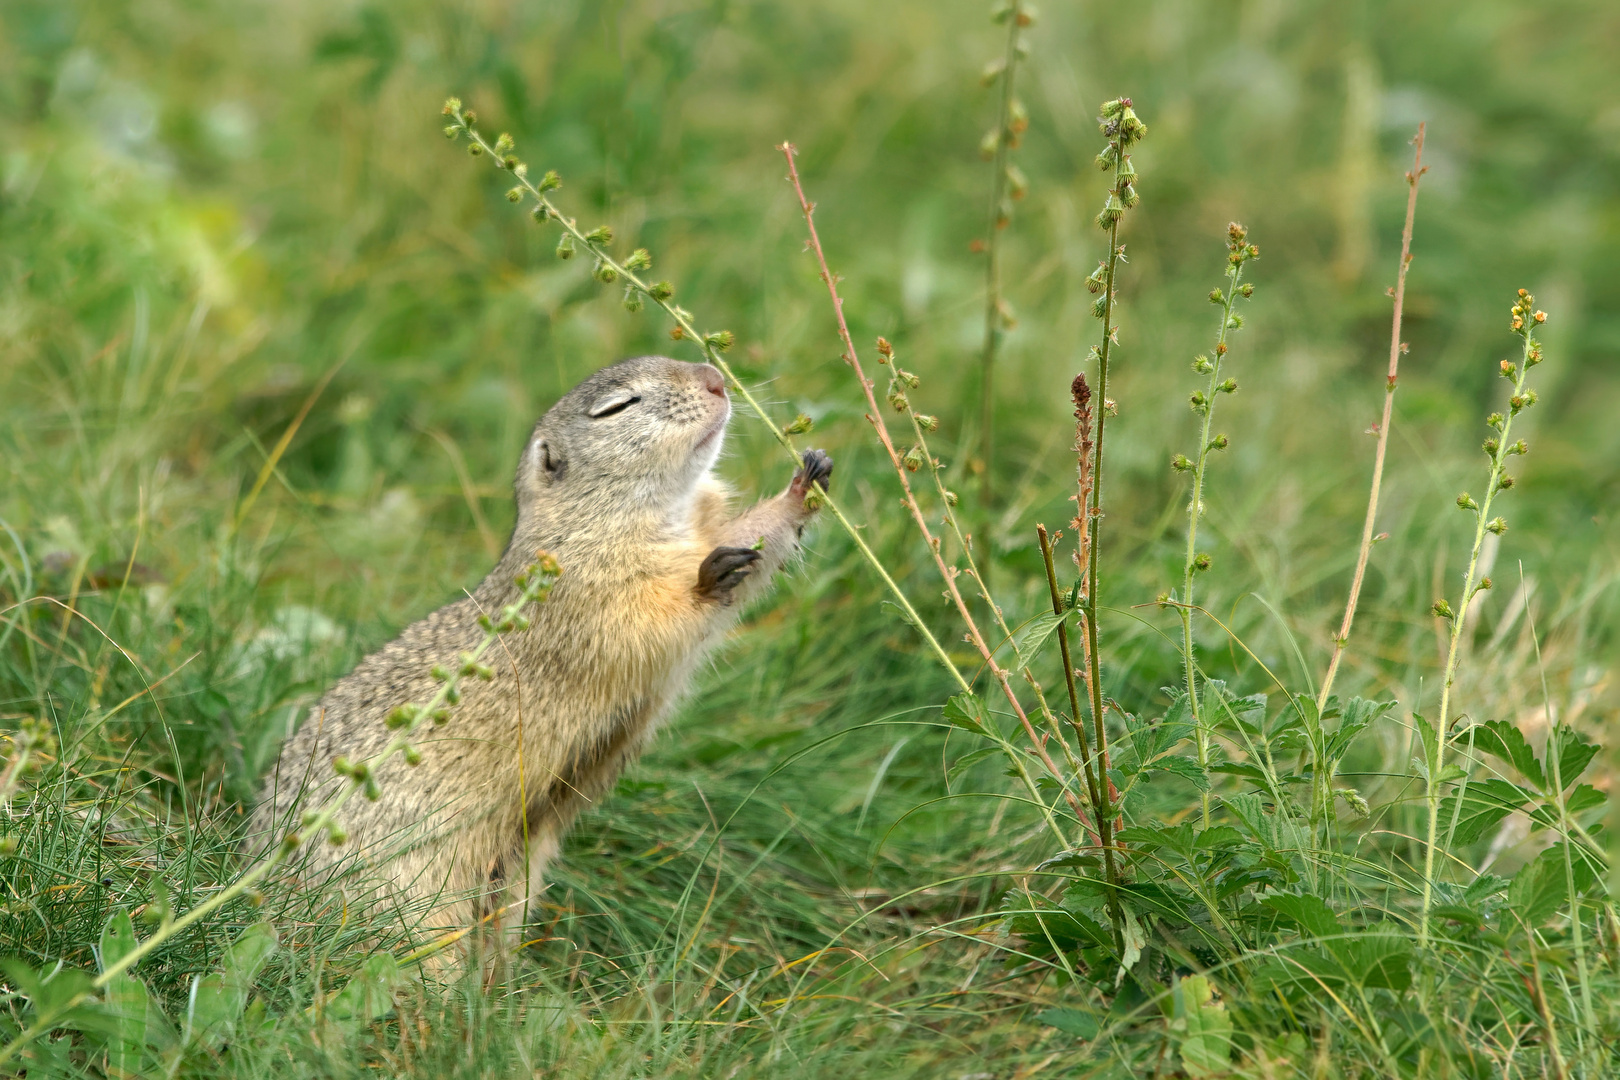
{"points": [[817, 469], [724, 570]]}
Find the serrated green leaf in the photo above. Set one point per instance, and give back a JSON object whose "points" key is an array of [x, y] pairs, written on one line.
{"points": [[1427, 738], [1241, 768], [967, 712], [1484, 803], [1309, 913], [1029, 637], [1218, 837], [1376, 960], [1575, 753], [1584, 797], [1182, 766], [1502, 740], [1356, 715], [1541, 887], [1204, 1026]]}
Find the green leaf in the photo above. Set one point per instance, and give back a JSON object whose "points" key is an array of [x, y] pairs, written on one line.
{"points": [[117, 939], [966, 711], [962, 764], [130, 1010], [1243, 769], [1376, 960], [1029, 638], [1431, 743], [1309, 913], [1135, 942], [1484, 803], [1584, 797], [1501, 739], [368, 995], [1204, 1026], [1176, 838], [221, 997], [1355, 717], [1218, 837], [1184, 767], [1082, 1025], [1541, 886], [1574, 755]]}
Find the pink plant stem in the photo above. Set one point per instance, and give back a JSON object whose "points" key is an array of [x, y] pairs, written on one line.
{"points": [[875, 417], [1395, 350]]}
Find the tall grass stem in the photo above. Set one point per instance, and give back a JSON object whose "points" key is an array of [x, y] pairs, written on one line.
{"points": [[1396, 348]]}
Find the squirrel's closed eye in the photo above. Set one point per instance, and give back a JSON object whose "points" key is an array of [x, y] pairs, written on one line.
{"points": [[617, 403]]}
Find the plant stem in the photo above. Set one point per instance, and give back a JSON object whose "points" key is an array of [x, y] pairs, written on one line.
{"points": [[1106, 809], [1395, 349], [1195, 510], [992, 280], [1088, 764], [1472, 584]]}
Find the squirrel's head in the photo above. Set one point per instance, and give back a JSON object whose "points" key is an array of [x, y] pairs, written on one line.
{"points": [[635, 436]]}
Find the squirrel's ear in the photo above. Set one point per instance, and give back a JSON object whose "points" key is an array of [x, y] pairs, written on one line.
{"points": [[548, 460]]}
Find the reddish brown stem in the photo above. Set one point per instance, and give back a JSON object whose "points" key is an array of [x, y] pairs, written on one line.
{"points": [[1395, 349], [875, 418]]}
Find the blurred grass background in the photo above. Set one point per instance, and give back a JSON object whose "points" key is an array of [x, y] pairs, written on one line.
{"points": [[207, 208]]}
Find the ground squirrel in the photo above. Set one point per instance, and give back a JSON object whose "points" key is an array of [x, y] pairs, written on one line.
{"points": [[616, 483]]}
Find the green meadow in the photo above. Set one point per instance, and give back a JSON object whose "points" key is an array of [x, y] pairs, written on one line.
{"points": [[270, 345]]}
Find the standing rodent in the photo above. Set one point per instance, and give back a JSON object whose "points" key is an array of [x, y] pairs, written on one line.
{"points": [[616, 483]]}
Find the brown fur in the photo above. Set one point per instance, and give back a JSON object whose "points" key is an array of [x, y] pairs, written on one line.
{"points": [[627, 504]]}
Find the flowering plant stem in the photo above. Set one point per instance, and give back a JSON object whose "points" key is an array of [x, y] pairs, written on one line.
{"points": [[1499, 449], [1396, 347], [1239, 253], [1005, 135], [1119, 123]]}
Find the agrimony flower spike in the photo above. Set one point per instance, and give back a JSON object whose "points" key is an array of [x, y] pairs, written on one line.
{"points": [[1523, 318], [1239, 252]]}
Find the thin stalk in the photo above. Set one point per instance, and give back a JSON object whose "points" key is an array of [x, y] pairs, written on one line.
{"points": [[1500, 450], [1205, 404], [1123, 128], [974, 572], [948, 573], [1395, 349], [1088, 764], [1005, 139]]}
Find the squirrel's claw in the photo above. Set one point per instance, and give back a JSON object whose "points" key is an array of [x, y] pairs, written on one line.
{"points": [[817, 469], [723, 570]]}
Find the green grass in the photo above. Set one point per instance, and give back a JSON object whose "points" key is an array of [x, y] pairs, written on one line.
{"points": [[205, 208]]}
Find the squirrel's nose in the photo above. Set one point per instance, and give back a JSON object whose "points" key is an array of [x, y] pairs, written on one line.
{"points": [[713, 381]]}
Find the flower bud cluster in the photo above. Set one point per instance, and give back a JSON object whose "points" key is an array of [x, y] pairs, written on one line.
{"points": [[1012, 117], [1525, 317], [1123, 129]]}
